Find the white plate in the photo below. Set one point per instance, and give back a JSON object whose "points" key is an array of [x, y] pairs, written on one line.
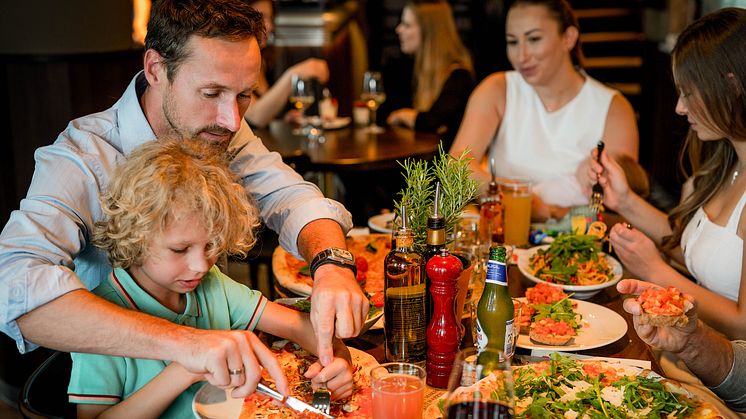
{"points": [[211, 402], [370, 322], [582, 292], [601, 326], [337, 123], [382, 223]]}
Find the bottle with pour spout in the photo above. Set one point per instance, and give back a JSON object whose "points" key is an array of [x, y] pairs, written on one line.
{"points": [[436, 240], [405, 297]]}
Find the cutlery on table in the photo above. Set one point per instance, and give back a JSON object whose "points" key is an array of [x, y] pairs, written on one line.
{"points": [[597, 196], [291, 402], [322, 399]]}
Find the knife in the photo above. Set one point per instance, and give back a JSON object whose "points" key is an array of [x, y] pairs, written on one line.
{"points": [[291, 402]]}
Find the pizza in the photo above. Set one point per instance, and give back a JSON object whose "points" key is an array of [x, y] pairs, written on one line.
{"points": [[369, 252], [664, 307], [562, 387], [295, 361]]}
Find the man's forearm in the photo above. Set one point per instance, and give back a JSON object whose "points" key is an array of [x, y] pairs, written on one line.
{"points": [[80, 321], [708, 354], [319, 235]]}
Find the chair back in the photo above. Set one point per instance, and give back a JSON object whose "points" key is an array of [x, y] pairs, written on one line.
{"points": [[45, 393]]}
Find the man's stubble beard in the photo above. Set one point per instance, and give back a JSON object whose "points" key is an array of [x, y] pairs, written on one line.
{"points": [[171, 115]]}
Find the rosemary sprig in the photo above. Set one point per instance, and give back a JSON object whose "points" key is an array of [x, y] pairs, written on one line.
{"points": [[456, 186]]}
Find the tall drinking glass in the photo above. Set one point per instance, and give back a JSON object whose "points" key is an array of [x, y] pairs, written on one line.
{"points": [[480, 386], [517, 205], [398, 391], [373, 96], [301, 97]]}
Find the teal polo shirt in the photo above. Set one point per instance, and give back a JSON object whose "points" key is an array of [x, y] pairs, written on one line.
{"points": [[218, 303]]}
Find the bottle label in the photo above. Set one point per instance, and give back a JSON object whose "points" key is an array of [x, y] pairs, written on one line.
{"points": [[497, 273], [405, 324], [510, 335], [481, 337]]}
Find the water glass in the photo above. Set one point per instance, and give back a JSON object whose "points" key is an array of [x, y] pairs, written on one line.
{"points": [[398, 390], [480, 386]]}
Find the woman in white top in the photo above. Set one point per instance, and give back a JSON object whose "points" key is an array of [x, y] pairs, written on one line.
{"points": [[541, 120], [706, 230]]}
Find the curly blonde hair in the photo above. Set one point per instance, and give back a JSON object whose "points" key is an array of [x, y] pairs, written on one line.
{"points": [[169, 177]]}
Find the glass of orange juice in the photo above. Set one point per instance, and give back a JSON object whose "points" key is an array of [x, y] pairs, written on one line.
{"points": [[398, 390], [517, 204]]}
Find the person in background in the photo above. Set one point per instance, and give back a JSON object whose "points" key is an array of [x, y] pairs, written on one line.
{"points": [[540, 121], [172, 208], [718, 362], [443, 74], [201, 64], [270, 99], [705, 231]]}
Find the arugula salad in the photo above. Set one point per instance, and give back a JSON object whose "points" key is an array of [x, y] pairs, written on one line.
{"points": [[566, 388]]}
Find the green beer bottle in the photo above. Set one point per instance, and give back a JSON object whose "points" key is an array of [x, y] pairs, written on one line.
{"points": [[495, 309]]}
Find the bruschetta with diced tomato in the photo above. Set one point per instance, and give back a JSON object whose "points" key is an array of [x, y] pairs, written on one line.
{"points": [[664, 307], [548, 331]]}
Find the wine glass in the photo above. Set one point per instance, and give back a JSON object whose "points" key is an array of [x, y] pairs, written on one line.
{"points": [[480, 386], [373, 95], [301, 97]]}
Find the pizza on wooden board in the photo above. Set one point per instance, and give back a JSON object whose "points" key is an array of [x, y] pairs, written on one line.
{"points": [[295, 361], [563, 387], [369, 251]]}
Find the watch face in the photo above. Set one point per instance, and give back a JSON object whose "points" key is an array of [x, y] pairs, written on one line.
{"points": [[341, 254]]}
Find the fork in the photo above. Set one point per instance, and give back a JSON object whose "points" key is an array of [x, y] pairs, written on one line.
{"points": [[597, 197], [322, 399]]}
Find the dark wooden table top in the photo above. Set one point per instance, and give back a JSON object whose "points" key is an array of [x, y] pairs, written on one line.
{"points": [[629, 346], [351, 147]]}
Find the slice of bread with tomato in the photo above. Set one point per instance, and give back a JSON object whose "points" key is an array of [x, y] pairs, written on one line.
{"points": [[664, 307]]}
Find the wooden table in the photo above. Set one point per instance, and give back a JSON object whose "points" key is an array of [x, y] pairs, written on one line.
{"points": [[628, 346], [365, 162], [351, 148]]}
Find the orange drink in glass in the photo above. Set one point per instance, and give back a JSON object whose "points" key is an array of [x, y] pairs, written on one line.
{"points": [[517, 204], [398, 391]]}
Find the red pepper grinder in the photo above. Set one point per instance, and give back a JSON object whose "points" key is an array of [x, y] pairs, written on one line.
{"points": [[443, 334]]}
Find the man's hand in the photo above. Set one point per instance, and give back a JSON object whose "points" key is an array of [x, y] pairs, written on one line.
{"points": [[215, 353], [637, 252], [337, 304], [672, 339]]}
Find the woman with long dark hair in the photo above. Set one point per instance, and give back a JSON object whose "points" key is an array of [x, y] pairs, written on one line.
{"points": [[705, 231]]}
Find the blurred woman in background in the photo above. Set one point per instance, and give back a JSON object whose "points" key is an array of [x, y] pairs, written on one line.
{"points": [[540, 121], [443, 74], [270, 99]]}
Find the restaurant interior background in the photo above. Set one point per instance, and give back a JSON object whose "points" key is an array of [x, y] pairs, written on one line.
{"points": [[61, 60]]}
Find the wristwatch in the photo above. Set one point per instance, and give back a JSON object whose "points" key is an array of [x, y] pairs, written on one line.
{"points": [[335, 255]]}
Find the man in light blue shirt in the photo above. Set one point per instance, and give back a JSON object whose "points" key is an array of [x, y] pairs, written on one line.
{"points": [[201, 65], [718, 362]]}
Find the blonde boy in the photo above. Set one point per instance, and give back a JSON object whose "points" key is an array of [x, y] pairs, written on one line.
{"points": [[172, 208]]}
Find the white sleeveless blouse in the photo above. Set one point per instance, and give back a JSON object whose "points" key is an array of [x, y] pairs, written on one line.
{"points": [[713, 253], [547, 147]]}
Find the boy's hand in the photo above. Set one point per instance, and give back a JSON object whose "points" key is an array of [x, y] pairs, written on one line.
{"points": [[337, 376]]}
